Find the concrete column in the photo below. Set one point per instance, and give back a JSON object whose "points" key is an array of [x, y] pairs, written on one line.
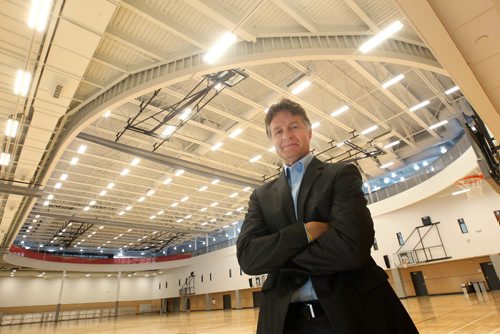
{"points": [[238, 299], [59, 298], [398, 283], [118, 280], [495, 260], [208, 302], [206, 242], [195, 243]]}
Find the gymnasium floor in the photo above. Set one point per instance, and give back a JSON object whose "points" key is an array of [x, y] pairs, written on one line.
{"points": [[439, 314]]}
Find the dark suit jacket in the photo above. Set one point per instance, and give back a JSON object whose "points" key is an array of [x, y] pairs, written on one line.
{"points": [[351, 288]]}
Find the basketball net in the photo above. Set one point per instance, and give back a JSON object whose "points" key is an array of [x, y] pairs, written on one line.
{"points": [[471, 185]]}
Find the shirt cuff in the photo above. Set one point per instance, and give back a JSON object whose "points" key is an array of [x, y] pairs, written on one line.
{"points": [[309, 237]]}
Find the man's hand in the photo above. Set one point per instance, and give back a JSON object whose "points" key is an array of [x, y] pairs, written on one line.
{"points": [[316, 229]]}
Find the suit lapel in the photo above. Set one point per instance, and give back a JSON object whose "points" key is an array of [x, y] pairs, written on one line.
{"points": [[286, 198], [313, 171]]}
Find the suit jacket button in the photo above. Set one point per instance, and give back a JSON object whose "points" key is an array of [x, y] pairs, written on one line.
{"points": [[298, 280]]}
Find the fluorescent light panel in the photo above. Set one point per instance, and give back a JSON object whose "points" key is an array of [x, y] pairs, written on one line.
{"points": [[387, 165], [419, 106], [452, 90], [438, 124], [394, 143], [393, 81], [368, 130], [39, 14], [301, 86], [381, 36], [4, 159], [22, 85], [235, 133], [11, 127], [339, 111], [219, 48]]}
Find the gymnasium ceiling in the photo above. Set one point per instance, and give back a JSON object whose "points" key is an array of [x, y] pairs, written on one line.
{"points": [[99, 62]]}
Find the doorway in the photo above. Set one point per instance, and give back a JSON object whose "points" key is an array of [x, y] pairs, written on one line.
{"points": [[226, 302], [419, 283], [491, 275], [257, 295]]}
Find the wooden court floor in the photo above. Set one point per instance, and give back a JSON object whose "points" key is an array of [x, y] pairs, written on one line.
{"points": [[439, 314]]}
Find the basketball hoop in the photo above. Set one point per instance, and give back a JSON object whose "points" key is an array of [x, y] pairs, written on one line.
{"points": [[471, 185]]}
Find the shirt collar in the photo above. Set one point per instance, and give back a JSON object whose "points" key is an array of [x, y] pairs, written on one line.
{"points": [[305, 161]]}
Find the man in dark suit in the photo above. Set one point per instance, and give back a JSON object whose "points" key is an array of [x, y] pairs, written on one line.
{"points": [[311, 231]]}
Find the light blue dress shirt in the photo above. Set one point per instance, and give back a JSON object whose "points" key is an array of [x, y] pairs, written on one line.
{"points": [[295, 174]]}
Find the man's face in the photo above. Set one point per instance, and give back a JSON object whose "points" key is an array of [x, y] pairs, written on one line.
{"points": [[290, 136]]}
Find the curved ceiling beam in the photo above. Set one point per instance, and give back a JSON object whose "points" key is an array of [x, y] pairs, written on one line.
{"points": [[243, 54]]}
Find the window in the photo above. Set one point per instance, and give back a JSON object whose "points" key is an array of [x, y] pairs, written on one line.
{"points": [[159, 286], [201, 278], [179, 282], [462, 225], [230, 274], [210, 276], [375, 245], [166, 285], [241, 272], [400, 238]]}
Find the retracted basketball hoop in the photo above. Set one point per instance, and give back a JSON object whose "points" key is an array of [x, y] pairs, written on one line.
{"points": [[471, 185]]}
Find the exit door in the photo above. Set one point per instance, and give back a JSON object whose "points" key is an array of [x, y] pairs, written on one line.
{"points": [[419, 283], [491, 275], [226, 300]]}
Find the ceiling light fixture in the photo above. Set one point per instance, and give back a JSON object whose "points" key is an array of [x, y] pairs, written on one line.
{"points": [[179, 172], [452, 90], [106, 114], [339, 111], [235, 133], [216, 146], [110, 185], [419, 106], [381, 36], [393, 81], [135, 162], [11, 127], [168, 131], [300, 87], [254, 159], [394, 143], [219, 48], [39, 14], [73, 161], [315, 125], [4, 159], [368, 130], [82, 149], [63, 177], [437, 125], [185, 114], [22, 85], [124, 172]]}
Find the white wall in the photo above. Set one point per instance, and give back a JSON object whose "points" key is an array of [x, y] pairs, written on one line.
{"points": [[484, 232]]}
